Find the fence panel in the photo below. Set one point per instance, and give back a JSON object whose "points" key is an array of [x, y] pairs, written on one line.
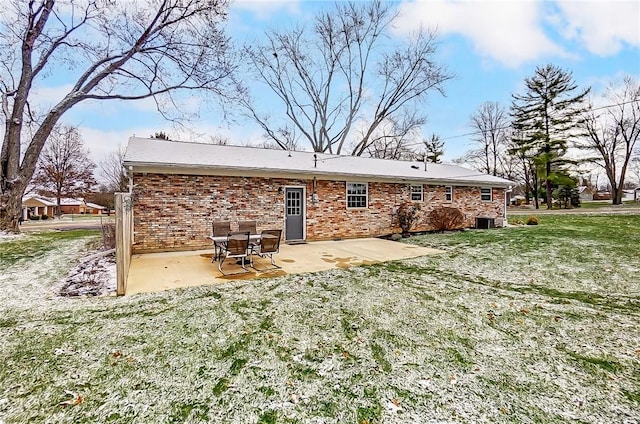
{"points": [[124, 239]]}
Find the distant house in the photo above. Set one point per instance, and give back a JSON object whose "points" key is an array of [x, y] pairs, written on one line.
{"points": [[34, 205], [79, 206], [628, 195], [586, 193], [517, 200], [180, 188], [602, 195], [636, 194]]}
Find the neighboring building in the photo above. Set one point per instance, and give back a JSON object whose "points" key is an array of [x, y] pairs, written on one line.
{"points": [[39, 205], [180, 188], [628, 195], [636, 194], [517, 200], [586, 193], [34, 205], [79, 206], [602, 195]]}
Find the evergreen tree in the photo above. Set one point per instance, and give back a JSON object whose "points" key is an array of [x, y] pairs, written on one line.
{"points": [[547, 116], [434, 149], [161, 135]]}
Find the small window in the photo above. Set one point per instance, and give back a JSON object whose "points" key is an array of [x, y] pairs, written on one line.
{"points": [[448, 193], [417, 193], [357, 195], [485, 194]]}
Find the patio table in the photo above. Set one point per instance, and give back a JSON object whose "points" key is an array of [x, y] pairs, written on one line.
{"points": [[219, 241]]}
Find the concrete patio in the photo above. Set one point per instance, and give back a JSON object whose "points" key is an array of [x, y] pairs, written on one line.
{"points": [[163, 271]]}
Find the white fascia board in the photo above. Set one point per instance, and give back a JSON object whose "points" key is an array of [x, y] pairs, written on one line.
{"points": [[152, 168]]}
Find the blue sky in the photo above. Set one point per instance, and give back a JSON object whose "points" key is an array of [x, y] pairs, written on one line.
{"points": [[491, 46]]}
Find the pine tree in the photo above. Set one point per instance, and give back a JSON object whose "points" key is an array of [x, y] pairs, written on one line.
{"points": [[434, 149], [547, 116]]}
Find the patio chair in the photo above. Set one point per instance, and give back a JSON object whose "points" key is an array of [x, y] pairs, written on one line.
{"points": [[248, 226], [219, 229], [237, 247], [268, 246]]}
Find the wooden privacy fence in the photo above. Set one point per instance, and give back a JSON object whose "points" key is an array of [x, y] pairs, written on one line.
{"points": [[124, 239]]}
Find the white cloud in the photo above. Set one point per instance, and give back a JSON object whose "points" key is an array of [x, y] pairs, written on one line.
{"points": [[101, 143], [508, 32], [604, 27], [44, 97]]}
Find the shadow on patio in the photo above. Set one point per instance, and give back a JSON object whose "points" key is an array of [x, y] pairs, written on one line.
{"points": [[162, 271]]}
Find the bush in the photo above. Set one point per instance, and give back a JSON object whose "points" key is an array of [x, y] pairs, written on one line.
{"points": [[43, 217], [35, 217], [446, 218], [532, 220], [407, 216]]}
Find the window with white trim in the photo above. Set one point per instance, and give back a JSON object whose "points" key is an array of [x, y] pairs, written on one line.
{"points": [[417, 193], [448, 193], [357, 195], [485, 194]]}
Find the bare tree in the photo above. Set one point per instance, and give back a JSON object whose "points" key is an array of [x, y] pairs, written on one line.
{"points": [[394, 139], [635, 169], [612, 133], [112, 172], [338, 85], [218, 139], [64, 168], [109, 50], [525, 169], [491, 125]]}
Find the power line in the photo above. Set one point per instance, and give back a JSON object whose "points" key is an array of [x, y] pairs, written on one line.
{"points": [[509, 126], [493, 129]]}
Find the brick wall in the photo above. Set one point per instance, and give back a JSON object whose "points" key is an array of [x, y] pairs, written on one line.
{"points": [[174, 212]]}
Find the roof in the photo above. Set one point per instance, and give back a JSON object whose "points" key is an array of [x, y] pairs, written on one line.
{"points": [[45, 201], [94, 205], [71, 202], [175, 157]]}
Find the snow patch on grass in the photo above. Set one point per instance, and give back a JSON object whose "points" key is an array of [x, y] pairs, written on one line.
{"points": [[94, 277], [484, 333], [10, 236]]}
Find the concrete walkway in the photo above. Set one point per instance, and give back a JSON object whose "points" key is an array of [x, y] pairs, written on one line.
{"points": [[162, 271]]}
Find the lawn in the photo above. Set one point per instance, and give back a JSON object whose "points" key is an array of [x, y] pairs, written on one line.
{"points": [[524, 324]]}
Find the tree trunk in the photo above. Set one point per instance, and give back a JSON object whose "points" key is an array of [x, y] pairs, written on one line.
{"points": [[547, 184], [616, 195], [10, 210], [536, 190]]}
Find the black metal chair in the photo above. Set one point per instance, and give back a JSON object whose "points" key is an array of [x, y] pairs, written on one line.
{"points": [[237, 247], [269, 245]]}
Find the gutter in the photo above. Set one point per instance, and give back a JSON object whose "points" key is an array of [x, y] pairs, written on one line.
{"points": [[150, 167]]}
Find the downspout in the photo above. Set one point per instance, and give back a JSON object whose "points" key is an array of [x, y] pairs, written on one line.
{"points": [[131, 205], [507, 190]]}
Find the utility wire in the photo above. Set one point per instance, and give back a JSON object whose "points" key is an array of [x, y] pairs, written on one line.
{"points": [[482, 132], [509, 126]]}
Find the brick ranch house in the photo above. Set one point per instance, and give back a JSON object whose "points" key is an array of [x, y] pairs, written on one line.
{"points": [[34, 205], [179, 188], [80, 206]]}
